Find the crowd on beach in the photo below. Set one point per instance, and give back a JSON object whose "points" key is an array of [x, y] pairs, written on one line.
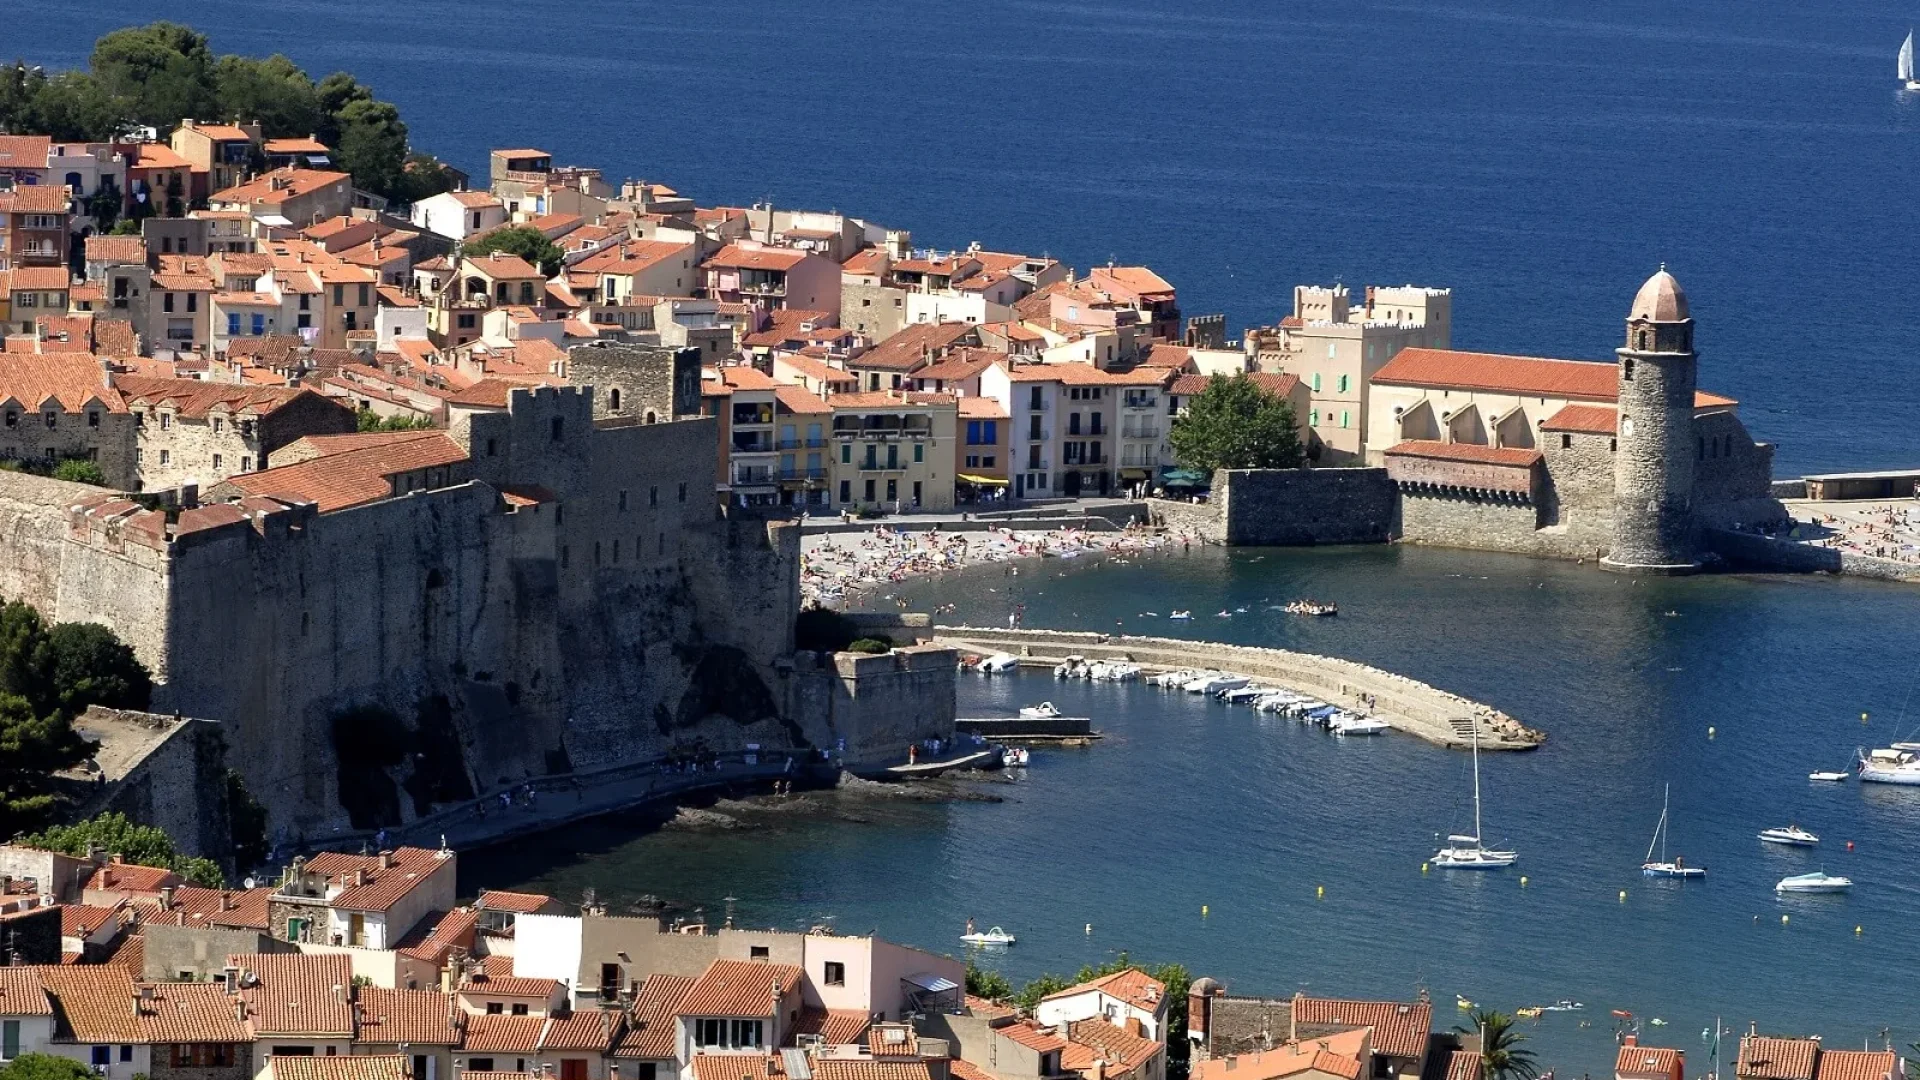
{"points": [[1882, 530], [832, 563]]}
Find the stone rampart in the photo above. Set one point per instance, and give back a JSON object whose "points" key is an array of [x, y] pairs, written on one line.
{"points": [[878, 704], [1202, 520], [163, 771], [1305, 506]]}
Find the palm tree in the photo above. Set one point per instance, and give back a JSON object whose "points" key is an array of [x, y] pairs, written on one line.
{"points": [[1501, 1056]]}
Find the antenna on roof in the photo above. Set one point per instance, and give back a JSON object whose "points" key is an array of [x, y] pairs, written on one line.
{"points": [[729, 900]]}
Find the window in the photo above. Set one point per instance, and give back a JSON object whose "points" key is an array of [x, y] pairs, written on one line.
{"points": [[520, 1008], [103, 1055], [759, 952], [623, 499], [216, 425], [559, 428], [987, 461], [465, 322], [193, 301], [893, 490], [246, 463], [216, 463], [1316, 378], [10, 1039], [259, 324], [166, 302], [1330, 355], [1343, 380], [653, 496], [1313, 416], [165, 457], [363, 294], [919, 452], [973, 461], [1343, 418], [166, 421], [1566, 442], [869, 490], [126, 1052], [233, 324], [293, 1051], [683, 491], [479, 1064], [613, 400]]}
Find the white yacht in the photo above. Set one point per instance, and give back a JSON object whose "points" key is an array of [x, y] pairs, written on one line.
{"points": [[1243, 695], [1896, 765], [1350, 724], [1791, 836], [1675, 868], [1817, 882], [1043, 711], [1467, 852]]}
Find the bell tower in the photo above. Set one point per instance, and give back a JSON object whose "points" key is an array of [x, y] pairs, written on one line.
{"points": [[1653, 525]]}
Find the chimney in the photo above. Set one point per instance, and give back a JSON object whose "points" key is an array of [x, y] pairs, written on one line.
{"points": [[226, 904], [230, 976], [339, 993], [240, 1011], [166, 898], [1630, 1040], [359, 877], [117, 859], [386, 860]]}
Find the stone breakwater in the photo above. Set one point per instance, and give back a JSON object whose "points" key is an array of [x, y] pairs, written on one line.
{"points": [[1409, 705]]}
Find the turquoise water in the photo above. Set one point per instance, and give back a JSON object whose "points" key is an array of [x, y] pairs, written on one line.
{"points": [[1189, 803]]}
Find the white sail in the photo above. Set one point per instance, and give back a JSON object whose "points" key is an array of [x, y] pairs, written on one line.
{"points": [[1906, 58]]}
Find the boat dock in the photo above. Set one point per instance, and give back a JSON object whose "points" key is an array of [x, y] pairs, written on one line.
{"points": [[921, 770], [1408, 705], [1066, 730]]}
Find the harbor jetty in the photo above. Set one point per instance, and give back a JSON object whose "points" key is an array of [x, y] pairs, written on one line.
{"points": [[1409, 705]]}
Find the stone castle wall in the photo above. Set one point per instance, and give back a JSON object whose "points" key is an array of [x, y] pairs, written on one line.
{"points": [[176, 780], [1278, 507], [879, 705]]}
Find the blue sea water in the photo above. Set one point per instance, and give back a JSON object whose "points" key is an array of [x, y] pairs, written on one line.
{"points": [[1539, 158], [1752, 683]]}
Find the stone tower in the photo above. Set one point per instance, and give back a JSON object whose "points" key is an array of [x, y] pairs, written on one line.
{"points": [[1653, 526]]}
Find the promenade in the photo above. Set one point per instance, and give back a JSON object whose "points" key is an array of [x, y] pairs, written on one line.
{"points": [[1420, 710]]}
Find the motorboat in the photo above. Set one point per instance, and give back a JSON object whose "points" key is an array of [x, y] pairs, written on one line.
{"points": [[1898, 764], [1791, 836], [1240, 695], [1322, 714], [1014, 757], [995, 936], [1817, 882], [1214, 682], [1663, 867], [1073, 667], [1468, 852], [1043, 711], [1460, 1002], [1350, 724], [1179, 677], [999, 664], [1833, 777], [1313, 608], [1181, 615], [1121, 671], [1564, 1005]]}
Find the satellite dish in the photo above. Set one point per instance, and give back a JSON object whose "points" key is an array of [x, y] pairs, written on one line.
{"points": [[249, 883]]}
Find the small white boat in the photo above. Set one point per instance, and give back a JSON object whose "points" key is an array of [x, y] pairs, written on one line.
{"points": [[1675, 868], [1014, 757], [1215, 682], [1895, 765], [1043, 711], [995, 936], [1350, 724], [1791, 836], [1243, 694], [1119, 671], [999, 664], [1905, 66], [1817, 882], [1182, 615], [1832, 777]]}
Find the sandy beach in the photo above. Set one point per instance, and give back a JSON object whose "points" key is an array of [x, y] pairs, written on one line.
{"points": [[835, 565]]}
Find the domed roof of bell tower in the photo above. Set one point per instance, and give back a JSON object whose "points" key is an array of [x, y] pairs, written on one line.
{"points": [[1661, 299]]}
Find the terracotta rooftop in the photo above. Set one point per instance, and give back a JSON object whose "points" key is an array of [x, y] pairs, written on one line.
{"points": [[496, 979], [438, 933], [36, 199], [198, 399], [173, 1012], [117, 249], [93, 1003], [651, 1032], [1630, 1061], [25, 151], [1133, 986], [1096, 1039], [916, 344], [128, 877], [293, 183], [519, 902], [836, 1027], [736, 1067], [297, 995], [366, 885], [740, 988], [1515, 456], [1400, 1029], [587, 1029], [738, 257], [22, 993], [1279, 384], [1033, 1036], [35, 278], [867, 1069], [500, 1033], [892, 399], [1764, 1058], [339, 1067], [351, 478], [1857, 1064], [799, 401], [1337, 1054]]}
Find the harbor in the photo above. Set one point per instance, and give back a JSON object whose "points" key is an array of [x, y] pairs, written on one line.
{"points": [[1405, 704]]}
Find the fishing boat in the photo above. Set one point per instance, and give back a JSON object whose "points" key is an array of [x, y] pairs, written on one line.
{"points": [[1663, 868], [1350, 724], [1817, 882], [1182, 615], [1467, 852], [1565, 1005], [1898, 764], [1791, 836], [995, 936], [1906, 64], [1312, 608]]}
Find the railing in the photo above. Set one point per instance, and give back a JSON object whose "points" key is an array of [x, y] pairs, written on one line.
{"points": [[753, 476], [803, 474], [809, 443]]}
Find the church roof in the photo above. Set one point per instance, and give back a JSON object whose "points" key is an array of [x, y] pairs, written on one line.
{"points": [[1661, 299]]}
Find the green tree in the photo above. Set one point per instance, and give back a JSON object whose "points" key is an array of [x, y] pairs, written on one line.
{"points": [[80, 471], [981, 982], [1501, 1055], [45, 1067], [73, 105], [84, 664], [523, 240], [423, 177], [127, 226], [368, 420], [372, 146], [1235, 424], [160, 72], [32, 747], [334, 94], [273, 91], [141, 844]]}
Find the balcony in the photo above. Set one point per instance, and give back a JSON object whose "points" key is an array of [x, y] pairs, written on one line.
{"points": [[803, 474], [747, 476], [752, 446], [813, 442], [883, 466]]}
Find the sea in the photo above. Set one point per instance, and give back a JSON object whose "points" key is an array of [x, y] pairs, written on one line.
{"points": [[1539, 158]]}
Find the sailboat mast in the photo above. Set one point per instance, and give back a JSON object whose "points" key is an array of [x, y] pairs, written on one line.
{"points": [[1665, 797], [1477, 836]]}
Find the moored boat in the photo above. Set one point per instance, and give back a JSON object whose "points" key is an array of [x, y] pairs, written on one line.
{"points": [[1817, 882], [1791, 836], [1898, 764], [1468, 852], [1350, 724], [999, 664], [995, 936], [1662, 867]]}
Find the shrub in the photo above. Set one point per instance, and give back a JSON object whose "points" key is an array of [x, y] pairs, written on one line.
{"points": [[870, 645], [823, 630]]}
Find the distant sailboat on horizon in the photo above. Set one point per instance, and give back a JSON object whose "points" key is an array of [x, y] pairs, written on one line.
{"points": [[1906, 64]]}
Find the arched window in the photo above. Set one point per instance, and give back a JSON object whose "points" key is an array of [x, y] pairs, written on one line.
{"points": [[73, 181], [613, 400], [651, 418]]}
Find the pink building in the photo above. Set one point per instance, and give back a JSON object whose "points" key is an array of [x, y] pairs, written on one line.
{"points": [[774, 277]]}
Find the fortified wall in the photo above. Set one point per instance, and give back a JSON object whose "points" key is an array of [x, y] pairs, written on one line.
{"points": [[579, 603]]}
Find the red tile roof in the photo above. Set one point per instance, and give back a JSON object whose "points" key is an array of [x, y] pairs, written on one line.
{"points": [[1588, 419], [496, 979], [22, 993], [742, 377], [799, 401], [407, 1016], [25, 151], [522, 903], [1400, 1029], [94, 1003], [297, 994], [500, 1033], [1764, 1058], [36, 279], [36, 199], [261, 188], [736, 1067], [836, 1027], [1279, 384], [349, 479], [434, 936], [1472, 452], [198, 398], [1858, 1065], [1466, 1065], [117, 249], [1630, 1061], [963, 1069], [917, 344], [737, 257], [173, 1012], [1133, 986], [83, 920], [963, 364], [740, 988], [589, 1029], [339, 1067], [1033, 1036], [868, 1069], [892, 399], [1097, 1039], [296, 146], [651, 1032]]}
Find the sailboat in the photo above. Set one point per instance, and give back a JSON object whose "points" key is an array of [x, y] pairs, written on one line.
{"points": [[1466, 852], [1906, 64], [1663, 868]]}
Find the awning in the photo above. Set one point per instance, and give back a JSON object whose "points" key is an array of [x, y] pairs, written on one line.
{"points": [[1177, 477], [930, 982], [981, 481], [1133, 474]]}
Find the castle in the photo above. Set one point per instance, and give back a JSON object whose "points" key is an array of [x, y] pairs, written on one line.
{"points": [[544, 588]]}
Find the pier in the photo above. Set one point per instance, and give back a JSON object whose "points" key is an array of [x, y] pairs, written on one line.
{"points": [[1409, 705]]}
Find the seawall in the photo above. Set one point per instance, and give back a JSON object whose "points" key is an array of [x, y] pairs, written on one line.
{"points": [[1414, 707], [1749, 551], [1286, 507]]}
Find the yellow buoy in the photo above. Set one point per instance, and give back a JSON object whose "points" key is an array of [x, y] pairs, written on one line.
{"points": [[1863, 718], [1856, 931], [1523, 881], [1710, 733], [1203, 911], [1784, 919], [1623, 896], [1320, 891], [1424, 867]]}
